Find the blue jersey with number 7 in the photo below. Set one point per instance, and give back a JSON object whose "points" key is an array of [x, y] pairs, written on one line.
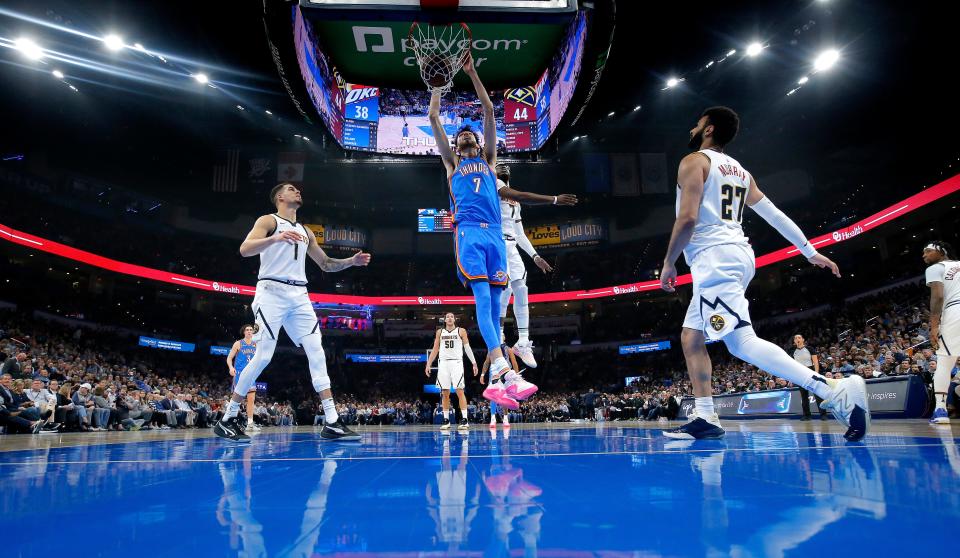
{"points": [[473, 193]]}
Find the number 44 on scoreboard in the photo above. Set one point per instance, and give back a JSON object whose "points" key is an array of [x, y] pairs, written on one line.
{"points": [[520, 105]]}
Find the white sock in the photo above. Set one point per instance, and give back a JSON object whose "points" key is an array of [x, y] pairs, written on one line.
{"points": [[463, 414], [941, 379], [523, 336], [232, 409], [446, 414], [330, 414], [744, 344], [704, 406], [498, 366]]}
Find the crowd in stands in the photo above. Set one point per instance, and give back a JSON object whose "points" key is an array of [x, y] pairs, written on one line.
{"points": [[56, 379]]}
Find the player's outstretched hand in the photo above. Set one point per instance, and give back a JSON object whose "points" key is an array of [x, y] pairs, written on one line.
{"points": [[360, 259], [290, 237], [566, 199], [475, 370], [820, 260], [427, 371], [468, 64], [668, 277], [542, 264]]}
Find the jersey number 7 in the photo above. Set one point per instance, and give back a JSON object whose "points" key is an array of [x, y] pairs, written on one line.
{"points": [[476, 183]]}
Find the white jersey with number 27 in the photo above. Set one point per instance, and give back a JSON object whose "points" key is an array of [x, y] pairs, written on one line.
{"points": [[721, 208]]}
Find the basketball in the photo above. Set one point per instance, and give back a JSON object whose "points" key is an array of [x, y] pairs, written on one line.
{"points": [[439, 68]]}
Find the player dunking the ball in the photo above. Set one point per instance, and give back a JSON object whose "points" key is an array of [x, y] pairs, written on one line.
{"points": [[713, 190], [475, 209], [281, 301], [450, 343], [943, 278], [240, 356]]}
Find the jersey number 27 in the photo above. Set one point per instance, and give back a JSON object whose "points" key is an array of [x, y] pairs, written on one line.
{"points": [[729, 193]]}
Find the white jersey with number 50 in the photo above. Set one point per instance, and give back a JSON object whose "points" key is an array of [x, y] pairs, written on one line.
{"points": [[721, 208], [451, 345]]}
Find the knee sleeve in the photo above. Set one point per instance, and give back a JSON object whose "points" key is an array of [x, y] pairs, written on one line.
{"points": [[261, 358], [313, 346], [504, 302]]}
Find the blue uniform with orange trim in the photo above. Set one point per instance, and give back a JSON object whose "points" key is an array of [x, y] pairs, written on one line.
{"points": [[480, 249], [243, 358]]}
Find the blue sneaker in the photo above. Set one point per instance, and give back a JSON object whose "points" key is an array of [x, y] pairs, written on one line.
{"points": [[940, 417], [697, 429]]}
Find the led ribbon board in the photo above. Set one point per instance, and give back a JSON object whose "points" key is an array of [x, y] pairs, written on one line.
{"points": [[865, 225]]}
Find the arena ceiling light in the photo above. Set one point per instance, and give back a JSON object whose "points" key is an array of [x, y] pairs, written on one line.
{"points": [[113, 42], [754, 49], [826, 60], [200, 77], [803, 80], [58, 74], [673, 82], [29, 48], [268, 112]]}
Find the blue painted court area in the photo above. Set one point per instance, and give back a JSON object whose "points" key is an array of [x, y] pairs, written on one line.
{"points": [[765, 490]]}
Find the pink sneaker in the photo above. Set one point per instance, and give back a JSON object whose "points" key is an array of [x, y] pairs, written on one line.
{"points": [[518, 388], [498, 394]]}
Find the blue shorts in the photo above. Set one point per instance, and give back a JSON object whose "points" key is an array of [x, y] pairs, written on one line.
{"points": [[481, 253]]}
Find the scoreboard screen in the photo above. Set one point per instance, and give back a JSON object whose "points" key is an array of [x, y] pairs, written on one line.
{"points": [[434, 221]]}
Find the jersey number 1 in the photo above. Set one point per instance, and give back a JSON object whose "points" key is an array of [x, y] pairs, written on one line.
{"points": [[727, 194]]}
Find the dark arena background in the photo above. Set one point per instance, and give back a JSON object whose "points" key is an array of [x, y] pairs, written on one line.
{"points": [[142, 140]]}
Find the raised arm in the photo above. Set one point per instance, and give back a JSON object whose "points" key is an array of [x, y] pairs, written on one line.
{"points": [[489, 120], [786, 227], [261, 236], [440, 135], [433, 352], [690, 177], [333, 265], [529, 198]]}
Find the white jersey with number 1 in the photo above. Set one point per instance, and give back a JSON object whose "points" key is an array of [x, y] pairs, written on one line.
{"points": [[284, 261], [721, 208]]}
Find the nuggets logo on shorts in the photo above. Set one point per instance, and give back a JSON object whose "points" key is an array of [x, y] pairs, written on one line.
{"points": [[717, 322], [256, 328], [500, 276]]}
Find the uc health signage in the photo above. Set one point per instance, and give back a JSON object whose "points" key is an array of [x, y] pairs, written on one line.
{"points": [[576, 233], [337, 236]]}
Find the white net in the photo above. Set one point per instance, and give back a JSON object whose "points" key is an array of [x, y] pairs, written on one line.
{"points": [[441, 51]]}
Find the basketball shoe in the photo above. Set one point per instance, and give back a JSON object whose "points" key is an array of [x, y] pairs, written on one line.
{"points": [[517, 387], [698, 429], [940, 416], [337, 431], [231, 429], [524, 350], [849, 406], [497, 393]]}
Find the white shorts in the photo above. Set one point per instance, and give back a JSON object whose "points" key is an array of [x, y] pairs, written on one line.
{"points": [[450, 374], [721, 275], [277, 305], [950, 332], [516, 270]]}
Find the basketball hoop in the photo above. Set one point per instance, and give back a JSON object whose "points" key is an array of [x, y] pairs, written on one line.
{"points": [[441, 50]]}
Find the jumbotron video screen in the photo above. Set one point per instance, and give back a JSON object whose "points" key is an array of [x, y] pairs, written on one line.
{"points": [[395, 121]]}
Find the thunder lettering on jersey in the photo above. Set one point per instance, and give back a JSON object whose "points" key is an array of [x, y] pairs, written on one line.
{"points": [[473, 193], [722, 205], [244, 355]]}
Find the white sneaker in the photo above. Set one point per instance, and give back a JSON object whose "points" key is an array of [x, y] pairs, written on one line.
{"points": [[849, 406], [525, 352]]}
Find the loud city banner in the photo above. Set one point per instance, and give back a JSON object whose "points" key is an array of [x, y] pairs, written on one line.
{"points": [[575, 233], [337, 236]]}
